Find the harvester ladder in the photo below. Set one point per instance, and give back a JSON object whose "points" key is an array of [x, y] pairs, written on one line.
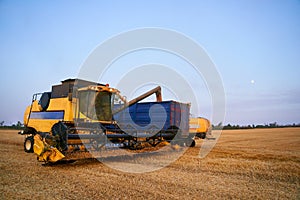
{"points": [[34, 97]]}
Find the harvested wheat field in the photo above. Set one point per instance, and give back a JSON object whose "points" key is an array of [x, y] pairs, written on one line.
{"points": [[245, 164]]}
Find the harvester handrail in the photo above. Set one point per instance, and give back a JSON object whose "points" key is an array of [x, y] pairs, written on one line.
{"points": [[34, 98]]}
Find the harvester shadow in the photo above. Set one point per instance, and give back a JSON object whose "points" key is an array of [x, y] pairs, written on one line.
{"points": [[133, 157], [128, 157], [72, 162]]}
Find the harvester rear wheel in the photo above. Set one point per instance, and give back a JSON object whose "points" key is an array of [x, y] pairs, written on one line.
{"points": [[28, 144]]}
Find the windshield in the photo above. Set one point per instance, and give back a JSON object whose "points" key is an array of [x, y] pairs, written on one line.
{"points": [[95, 105]]}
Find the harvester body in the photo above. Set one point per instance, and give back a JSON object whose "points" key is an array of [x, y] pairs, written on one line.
{"points": [[78, 115]]}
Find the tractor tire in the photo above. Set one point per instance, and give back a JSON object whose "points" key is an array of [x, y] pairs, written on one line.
{"points": [[193, 144], [28, 144]]}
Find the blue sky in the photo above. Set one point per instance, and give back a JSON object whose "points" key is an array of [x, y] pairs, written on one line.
{"points": [[44, 42]]}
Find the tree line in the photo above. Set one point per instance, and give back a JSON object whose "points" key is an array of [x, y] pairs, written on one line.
{"points": [[17, 125], [270, 125]]}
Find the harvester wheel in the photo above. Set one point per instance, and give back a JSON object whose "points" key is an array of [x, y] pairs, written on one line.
{"points": [[28, 144], [193, 144]]}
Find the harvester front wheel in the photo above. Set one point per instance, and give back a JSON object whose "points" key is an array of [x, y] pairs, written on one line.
{"points": [[28, 144], [193, 143]]}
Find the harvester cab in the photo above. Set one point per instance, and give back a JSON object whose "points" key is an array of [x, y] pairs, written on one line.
{"points": [[96, 103]]}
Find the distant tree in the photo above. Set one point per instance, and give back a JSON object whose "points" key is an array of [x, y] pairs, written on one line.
{"points": [[19, 124], [273, 125], [228, 126], [236, 126], [2, 123], [218, 127]]}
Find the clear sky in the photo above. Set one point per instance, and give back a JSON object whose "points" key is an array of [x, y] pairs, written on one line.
{"points": [[254, 44]]}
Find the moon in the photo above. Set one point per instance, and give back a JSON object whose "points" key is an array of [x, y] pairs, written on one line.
{"points": [[252, 81]]}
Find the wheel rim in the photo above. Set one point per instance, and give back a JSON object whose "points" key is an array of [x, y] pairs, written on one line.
{"points": [[28, 145]]}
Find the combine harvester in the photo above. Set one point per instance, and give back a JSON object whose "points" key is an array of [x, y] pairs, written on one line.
{"points": [[79, 115]]}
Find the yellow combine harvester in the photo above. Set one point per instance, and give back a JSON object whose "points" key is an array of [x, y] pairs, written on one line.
{"points": [[78, 115]]}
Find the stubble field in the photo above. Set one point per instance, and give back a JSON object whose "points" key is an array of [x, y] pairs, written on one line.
{"points": [[245, 164]]}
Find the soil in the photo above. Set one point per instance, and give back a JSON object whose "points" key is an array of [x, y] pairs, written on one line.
{"points": [[245, 164]]}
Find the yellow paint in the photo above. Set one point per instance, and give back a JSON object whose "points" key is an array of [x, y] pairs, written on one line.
{"points": [[45, 125], [199, 125], [38, 146], [45, 152], [59, 104]]}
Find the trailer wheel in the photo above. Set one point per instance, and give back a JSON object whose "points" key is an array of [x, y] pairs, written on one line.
{"points": [[28, 144]]}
